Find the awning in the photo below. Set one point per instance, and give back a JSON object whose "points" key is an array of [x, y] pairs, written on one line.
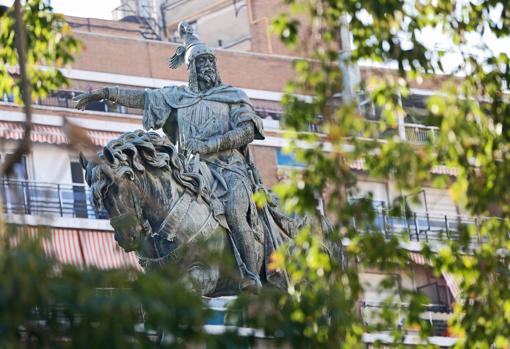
{"points": [[61, 244], [65, 246], [51, 134], [444, 170], [83, 248], [100, 250], [452, 284], [418, 258]]}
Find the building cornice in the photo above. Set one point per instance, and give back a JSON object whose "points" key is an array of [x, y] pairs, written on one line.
{"points": [[140, 81]]}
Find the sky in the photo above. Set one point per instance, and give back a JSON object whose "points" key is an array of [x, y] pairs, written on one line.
{"points": [[89, 8], [478, 45]]}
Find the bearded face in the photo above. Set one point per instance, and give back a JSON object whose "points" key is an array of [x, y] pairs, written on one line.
{"points": [[206, 71]]}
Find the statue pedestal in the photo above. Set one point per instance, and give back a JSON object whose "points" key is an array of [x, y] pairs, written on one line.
{"points": [[219, 306], [222, 321]]}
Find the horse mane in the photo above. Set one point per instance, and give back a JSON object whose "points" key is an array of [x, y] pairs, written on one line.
{"points": [[138, 151]]}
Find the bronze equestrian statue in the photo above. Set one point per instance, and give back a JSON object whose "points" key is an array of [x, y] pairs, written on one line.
{"points": [[209, 125]]}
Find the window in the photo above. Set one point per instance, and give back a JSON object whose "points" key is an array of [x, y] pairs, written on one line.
{"points": [[79, 194], [8, 98], [287, 160], [97, 106], [378, 208]]}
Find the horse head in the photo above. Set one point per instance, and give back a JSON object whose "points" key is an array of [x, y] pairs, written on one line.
{"points": [[119, 193], [136, 179]]}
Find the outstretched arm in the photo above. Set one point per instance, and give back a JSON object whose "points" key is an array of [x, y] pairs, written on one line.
{"points": [[131, 98]]}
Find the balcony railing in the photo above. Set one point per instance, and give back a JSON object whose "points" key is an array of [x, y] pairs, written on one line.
{"points": [[371, 315], [418, 226], [35, 198], [420, 134], [73, 200], [439, 297], [413, 133]]}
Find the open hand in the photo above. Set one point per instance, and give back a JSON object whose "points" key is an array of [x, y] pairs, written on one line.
{"points": [[85, 98]]}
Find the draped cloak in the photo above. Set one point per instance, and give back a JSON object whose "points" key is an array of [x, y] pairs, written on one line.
{"points": [[184, 115]]}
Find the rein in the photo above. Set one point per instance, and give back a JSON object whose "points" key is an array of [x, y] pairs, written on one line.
{"points": [[168, 228], [174, 217], [172, 223]]}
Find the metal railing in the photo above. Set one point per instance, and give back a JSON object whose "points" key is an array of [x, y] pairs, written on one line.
{"points": [[420, 134], [439, 296], [417, 226], [35, 198], [73, 200], [414, 133], [371, 314]]}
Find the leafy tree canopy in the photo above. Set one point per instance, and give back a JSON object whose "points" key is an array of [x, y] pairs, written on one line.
{"points": [[321, 307]]}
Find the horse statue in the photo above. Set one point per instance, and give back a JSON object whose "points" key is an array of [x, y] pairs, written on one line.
{"points": [[160, 206]]}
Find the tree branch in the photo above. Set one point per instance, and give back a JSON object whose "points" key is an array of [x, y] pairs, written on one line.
{"points": [[26, 90]]}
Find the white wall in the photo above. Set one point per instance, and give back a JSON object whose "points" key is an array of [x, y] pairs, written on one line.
{"points": [[374, 295], [51, 163], [439, 202], [214, 22], [372, 291], [226, 26], [378, 190], [184, 9]]}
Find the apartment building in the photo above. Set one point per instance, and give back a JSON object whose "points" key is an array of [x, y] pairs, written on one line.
{"points": [[243, 25], [48, 186]]}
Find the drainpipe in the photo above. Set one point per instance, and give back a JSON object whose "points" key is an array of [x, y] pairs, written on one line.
{"points": [[350, 71], [401, 121]]}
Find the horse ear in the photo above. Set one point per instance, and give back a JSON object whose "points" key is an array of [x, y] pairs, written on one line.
{"points": [[83, 161]]}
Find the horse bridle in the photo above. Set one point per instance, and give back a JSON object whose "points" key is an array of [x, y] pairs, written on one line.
{"points": [[173, 219], [146, 228], [126, 219]]}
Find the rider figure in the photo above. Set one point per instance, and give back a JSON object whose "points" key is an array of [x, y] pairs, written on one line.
{"points": [[214, 120]]}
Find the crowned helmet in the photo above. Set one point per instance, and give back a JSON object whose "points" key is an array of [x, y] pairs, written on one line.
{"points": [[191, 49]]}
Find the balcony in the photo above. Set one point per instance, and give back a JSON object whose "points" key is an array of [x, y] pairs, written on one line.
{"points": [[417, 226], [420, 134], [439, 296], [412, 133], [371, 313], [22, 197]]}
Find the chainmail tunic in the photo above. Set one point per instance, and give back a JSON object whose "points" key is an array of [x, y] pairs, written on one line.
{"points": [[185, 115]]}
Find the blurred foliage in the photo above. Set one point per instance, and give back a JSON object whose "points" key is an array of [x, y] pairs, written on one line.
{"points": [[50, 45], [43, 304], [47, 305], [471, 108]]}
